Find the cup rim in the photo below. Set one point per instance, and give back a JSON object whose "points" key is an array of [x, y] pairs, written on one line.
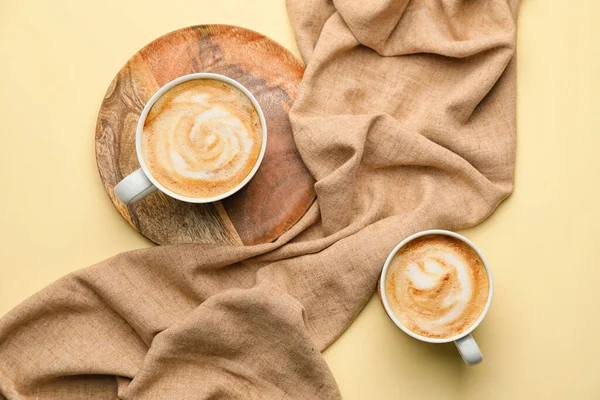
{"points": [[158, 94], [387, 306]]}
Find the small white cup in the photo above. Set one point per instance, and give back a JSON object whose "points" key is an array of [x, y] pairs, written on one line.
{"points": [[141, 183], [466, 345]]}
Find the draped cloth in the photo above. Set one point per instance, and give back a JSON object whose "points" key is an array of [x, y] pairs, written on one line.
{"points": [[406, 119]]}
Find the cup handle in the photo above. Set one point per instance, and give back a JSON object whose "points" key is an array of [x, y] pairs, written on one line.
{"points": [[468, 349], [134, 187]]}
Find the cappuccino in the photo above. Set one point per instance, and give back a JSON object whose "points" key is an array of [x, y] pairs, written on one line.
{"points": [[437, 286], [201, 138]]}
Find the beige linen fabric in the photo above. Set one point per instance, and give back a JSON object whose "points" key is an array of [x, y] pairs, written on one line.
{"points": [[406, 118]]}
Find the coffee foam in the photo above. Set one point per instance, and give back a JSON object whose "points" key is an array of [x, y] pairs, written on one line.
{"points": [[201, 138], [437, 286]]}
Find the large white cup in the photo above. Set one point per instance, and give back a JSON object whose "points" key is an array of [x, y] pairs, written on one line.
{"points": [[141, 183], [466, 345]]}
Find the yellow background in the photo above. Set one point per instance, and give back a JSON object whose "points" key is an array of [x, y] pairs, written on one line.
{"points": [[540, 339]]}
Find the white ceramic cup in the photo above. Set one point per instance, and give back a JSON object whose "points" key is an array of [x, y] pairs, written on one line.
{"points": [[141, 183], [466, 345]]}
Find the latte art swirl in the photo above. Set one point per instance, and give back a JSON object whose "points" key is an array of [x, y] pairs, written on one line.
{"points": [[202, 138], [437, 286]]}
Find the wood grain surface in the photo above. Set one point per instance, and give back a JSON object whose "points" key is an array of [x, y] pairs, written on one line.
{"points": [[282, 189]]}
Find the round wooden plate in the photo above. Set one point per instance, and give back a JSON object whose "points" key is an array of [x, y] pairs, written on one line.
{"points": [[282, 189]]}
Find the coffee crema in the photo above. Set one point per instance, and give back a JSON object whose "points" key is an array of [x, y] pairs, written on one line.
{"points": [[437, 286], [202, 138]]}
